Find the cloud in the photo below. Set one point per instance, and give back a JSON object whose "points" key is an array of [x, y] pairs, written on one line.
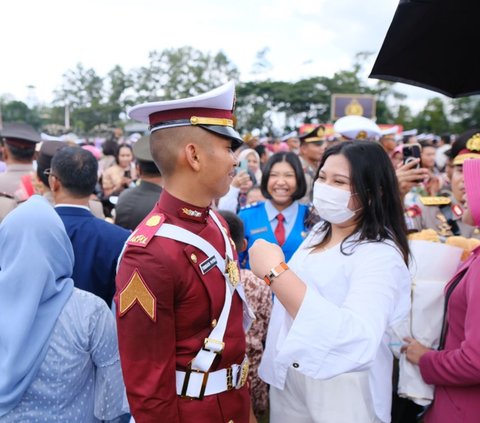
{"points": [[305, 38]]}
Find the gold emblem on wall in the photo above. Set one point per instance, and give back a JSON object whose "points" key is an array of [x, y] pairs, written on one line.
{"points": [[354, 108]]}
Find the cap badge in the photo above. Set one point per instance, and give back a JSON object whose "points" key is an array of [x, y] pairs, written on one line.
{"points": [[362, 135], [233, 272], [473, 144]]}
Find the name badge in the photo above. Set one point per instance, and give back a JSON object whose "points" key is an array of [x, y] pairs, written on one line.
{"points": [[259, 230], [208, 264]]}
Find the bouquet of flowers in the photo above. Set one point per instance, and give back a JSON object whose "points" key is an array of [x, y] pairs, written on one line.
{"points": [[433, 264]]}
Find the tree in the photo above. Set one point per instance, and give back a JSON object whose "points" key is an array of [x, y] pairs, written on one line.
{"points": [[80, 88], [433, 118], [465, 113], [17, 111], [182, 72]]}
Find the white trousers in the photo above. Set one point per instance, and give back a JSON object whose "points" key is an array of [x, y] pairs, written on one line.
{"points": [[342, 399]]}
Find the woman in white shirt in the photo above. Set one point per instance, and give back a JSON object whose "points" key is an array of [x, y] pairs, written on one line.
{"points": [[327, 355]]}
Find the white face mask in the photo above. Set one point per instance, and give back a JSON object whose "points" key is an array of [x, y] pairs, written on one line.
{"points": [[332, 203]]}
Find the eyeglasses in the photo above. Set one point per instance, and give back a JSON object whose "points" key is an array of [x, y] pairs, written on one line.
{"points": [[48, 172]]}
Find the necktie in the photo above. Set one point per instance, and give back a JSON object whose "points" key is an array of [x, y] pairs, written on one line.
{"points": [[280, 229]]}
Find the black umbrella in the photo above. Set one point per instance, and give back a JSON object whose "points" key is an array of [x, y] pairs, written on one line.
{"points": [[433, 44]]}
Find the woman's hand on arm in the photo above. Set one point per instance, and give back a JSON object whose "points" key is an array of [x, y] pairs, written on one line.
{"points": [[288, 288], [414, 350]]}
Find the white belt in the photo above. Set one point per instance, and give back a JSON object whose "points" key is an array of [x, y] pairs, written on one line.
{"points": [[195, 384]]}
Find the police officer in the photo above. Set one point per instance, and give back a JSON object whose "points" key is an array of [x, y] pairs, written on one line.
{"points": [[20, 140], [312, 147], [444, 213], [180, 310]]}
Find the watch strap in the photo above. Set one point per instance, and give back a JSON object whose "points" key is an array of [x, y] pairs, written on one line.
{"points": [[275, 272]]}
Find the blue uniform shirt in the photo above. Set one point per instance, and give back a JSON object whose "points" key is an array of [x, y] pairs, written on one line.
{"points": [[260, 222]]}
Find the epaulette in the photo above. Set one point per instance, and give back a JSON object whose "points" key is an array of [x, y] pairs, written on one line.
{"points": [[147, 229], [435, 201]]}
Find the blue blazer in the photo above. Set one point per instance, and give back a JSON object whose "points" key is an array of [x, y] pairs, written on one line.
{"points": [[96, 245], [257, 226]]}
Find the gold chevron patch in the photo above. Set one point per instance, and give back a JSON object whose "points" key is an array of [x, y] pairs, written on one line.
{"points": [[137, 291]]}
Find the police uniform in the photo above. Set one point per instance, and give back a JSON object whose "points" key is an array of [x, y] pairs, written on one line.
{"points": [[315, 136], [21, 136], [180, 313], [443, 213]]}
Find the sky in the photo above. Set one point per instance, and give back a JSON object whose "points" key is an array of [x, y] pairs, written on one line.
{"points": [[41, 40]]}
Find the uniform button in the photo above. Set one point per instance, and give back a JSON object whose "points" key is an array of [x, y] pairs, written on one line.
{"points": [[296, 365], [214, 323], [193, 257]]}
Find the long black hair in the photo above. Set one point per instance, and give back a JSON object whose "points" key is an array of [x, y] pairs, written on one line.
{"points": [[374, 182]]}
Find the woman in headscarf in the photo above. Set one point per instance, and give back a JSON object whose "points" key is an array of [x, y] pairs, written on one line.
{"points": [[253, 163], [454, 368], [58, 348]]}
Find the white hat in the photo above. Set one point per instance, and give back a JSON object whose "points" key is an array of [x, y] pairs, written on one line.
{"points": [[409, 133], [356, 127], [212, 111], [390, 131]]}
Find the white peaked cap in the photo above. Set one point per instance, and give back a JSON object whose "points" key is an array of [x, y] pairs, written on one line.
{"points": [[356, 127], [212, 111]]}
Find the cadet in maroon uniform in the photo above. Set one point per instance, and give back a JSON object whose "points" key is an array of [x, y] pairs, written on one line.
{"points": [[180, 310]]}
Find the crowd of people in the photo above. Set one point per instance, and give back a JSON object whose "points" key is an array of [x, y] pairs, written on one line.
{"points": [[248, 277]]}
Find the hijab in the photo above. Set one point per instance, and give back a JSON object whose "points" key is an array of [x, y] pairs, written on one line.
{"points": [[243, 155], [36, 264]]}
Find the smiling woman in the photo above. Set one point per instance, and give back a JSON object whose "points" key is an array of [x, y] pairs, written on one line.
{"points": [[280, 219]]}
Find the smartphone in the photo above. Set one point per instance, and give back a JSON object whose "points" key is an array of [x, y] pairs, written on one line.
{"points": [[243, 165], [411, 152], [127, 174]]}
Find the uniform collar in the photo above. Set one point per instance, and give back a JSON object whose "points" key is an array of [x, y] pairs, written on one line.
{"points": [[183, 210], [289, 213]]}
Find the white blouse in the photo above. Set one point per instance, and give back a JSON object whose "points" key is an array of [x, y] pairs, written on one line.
{"points": [[343, 323]]}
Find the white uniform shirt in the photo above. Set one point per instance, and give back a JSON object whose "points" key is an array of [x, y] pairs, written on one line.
{"points": [[342, 325]]}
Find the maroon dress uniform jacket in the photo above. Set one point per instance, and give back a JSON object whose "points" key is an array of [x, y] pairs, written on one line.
{"points": [[455, 370], [187, 305]]}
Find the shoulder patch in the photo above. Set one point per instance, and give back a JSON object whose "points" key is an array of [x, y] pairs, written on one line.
{"points": [[137, 291], [144, 232], [435, 201]]}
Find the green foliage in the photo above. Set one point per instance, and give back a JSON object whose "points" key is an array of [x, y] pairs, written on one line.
{"points": [[272, 106], [433, 118], [17, 111]]}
